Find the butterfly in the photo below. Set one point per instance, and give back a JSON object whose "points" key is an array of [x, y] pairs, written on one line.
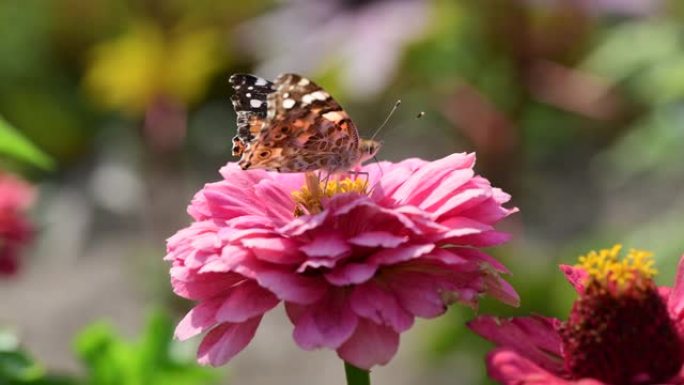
{"points": [[293, 125]]}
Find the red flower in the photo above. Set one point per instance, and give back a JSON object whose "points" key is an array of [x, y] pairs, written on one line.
{"points": [[622, 329], [15, 229]]}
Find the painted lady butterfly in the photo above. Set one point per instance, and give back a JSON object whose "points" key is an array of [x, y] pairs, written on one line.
{"points": [[293, 125]]}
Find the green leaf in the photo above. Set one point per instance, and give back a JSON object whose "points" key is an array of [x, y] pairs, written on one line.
{"points": [[16, 146], [99, 350], [150, 361], [14, 364], [18, 368], [154, 350]]}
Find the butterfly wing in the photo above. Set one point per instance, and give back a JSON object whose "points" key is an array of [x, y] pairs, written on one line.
{"points": [[305, 130], [249, 99]]}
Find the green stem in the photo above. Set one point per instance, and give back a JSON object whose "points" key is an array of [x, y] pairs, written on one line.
{"points": [[356, 376]]}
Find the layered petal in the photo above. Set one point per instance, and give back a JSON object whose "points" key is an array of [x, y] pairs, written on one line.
{"points": [[676, 297], [225, 341], [198, 320], [510, 368], [246, 300], [532, 337], [353, 265], [370, 345], [575, 276], [328, 323], [370, 301]]}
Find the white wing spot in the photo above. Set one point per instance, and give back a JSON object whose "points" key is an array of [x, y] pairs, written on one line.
{"points": [[303, 82], [288, 103], [250, 88], [255, 103], [248, 95], [260, 82], [333, 116], [320, 95], [317, 95]]}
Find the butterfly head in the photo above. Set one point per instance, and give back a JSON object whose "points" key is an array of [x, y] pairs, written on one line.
{"points": [[368, 148]]}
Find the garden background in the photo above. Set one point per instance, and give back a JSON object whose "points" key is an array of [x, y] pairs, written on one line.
{"points": [[117, 112]]}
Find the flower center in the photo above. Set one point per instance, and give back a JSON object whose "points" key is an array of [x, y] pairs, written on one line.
{"points": [[619, 330], [309, 199]]}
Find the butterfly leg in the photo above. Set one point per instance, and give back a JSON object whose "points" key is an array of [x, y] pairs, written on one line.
{"points": [[357, 173], [325, 184]]}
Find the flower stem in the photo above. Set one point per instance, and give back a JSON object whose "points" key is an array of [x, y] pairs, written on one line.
{"points": [[356, 376]]}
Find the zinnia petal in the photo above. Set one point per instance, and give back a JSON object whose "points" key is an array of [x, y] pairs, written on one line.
{"points": [[380, 306], [198, 320], [246, 300], [676, 299], [201, 286], [351, 274], [225, 341], [576, 276], [510, 368], [532, 337], [445, 190], [326, 245], [276, 249], [400, 254], [292, 287], [328, 323], [378, 239], [371, 345], [425, 178], [418, 293]]}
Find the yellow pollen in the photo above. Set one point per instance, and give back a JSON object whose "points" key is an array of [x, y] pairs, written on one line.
{"points": [[606, 267], [309, 198]]}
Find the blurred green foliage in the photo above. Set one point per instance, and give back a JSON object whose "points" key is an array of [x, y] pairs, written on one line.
{"points": [[110, 360], [17, 367], [150, 361]]}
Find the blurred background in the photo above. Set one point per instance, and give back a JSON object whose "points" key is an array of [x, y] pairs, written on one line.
{"points": [[114, 112]]}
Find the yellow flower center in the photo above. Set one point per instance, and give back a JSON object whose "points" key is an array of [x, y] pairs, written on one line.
{"points": [[606, 268], [309, 199]]}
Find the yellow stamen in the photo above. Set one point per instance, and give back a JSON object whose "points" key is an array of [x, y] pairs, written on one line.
{"points": [[308, 199], [605, 267]]}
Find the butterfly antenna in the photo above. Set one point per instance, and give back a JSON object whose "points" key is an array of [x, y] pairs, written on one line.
{"points": [[377, 162], [396, 105]]}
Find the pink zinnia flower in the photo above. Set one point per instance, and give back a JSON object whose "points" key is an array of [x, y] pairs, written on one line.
{"points": [[354, 264], [15, 229], [622, 329]]}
